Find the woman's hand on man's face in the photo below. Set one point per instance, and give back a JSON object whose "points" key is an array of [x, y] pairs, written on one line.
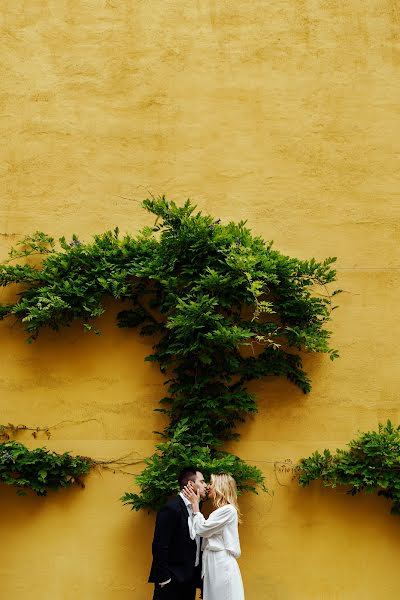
{"points": [[191, 494]]}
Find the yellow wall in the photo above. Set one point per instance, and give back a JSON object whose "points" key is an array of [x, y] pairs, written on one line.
{"points": [[283, 113]]}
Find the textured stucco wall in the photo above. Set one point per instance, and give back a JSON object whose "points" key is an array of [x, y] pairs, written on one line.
{"points": [[283, 113]]}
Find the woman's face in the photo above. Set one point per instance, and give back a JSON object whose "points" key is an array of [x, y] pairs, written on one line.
{"points": [[211, 490]]}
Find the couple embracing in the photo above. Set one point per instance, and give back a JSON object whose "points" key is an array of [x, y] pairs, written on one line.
{"points": [[190, 551]]}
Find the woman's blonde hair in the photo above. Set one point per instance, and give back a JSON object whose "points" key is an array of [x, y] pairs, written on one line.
{"points": [[225, 491]]}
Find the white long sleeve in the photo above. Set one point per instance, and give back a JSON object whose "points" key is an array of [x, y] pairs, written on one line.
{"points": [[215, 523], [219, 531]]}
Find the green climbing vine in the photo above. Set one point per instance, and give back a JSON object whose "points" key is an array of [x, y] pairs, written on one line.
{"points": [[158, 480], [223, 305], [40, 470], [371, 465]]}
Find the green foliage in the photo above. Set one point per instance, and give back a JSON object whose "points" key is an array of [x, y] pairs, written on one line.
{"points": [[39, 470], [372, 464], [159, 478], [38, 243], [224, 306]]}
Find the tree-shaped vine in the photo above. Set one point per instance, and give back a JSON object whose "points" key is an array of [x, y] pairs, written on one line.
{"points": [[206, 291]]}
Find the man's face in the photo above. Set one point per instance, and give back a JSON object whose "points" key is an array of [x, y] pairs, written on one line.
{"points": [[200, 484]]}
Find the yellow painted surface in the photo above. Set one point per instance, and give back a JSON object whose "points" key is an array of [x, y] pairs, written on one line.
{"points": [[283, 113]]}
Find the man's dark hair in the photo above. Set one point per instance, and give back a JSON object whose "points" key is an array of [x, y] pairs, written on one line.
{"points": [[187, 474]]}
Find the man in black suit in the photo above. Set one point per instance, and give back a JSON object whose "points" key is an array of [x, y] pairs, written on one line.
{"points": [[175, 570]]}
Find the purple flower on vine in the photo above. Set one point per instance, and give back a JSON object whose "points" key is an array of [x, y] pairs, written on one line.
{"points": [[8, 456], [214, 223]]}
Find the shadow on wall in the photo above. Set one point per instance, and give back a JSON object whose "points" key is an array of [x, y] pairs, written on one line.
{"points": [[320, 508], [130, 537], [78, 541], [76, 377], [21, 511], [71, 350]]}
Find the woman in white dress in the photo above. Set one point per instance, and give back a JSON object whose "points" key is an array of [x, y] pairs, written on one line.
{"points": [[221, 546]]}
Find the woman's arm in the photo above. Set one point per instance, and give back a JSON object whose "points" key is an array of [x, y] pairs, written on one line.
{"points": [[214, 524]]}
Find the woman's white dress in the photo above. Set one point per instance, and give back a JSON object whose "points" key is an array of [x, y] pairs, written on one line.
{"points": [[221, 548]]}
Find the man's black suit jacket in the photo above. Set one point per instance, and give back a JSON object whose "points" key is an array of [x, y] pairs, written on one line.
{"points": [[174, 552]]}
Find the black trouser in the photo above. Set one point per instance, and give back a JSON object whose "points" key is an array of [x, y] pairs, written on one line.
{"points": [[175, 591]]}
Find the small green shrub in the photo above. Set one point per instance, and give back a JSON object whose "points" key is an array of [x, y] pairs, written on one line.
{"points": [[371, 465], [40, 469]]}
